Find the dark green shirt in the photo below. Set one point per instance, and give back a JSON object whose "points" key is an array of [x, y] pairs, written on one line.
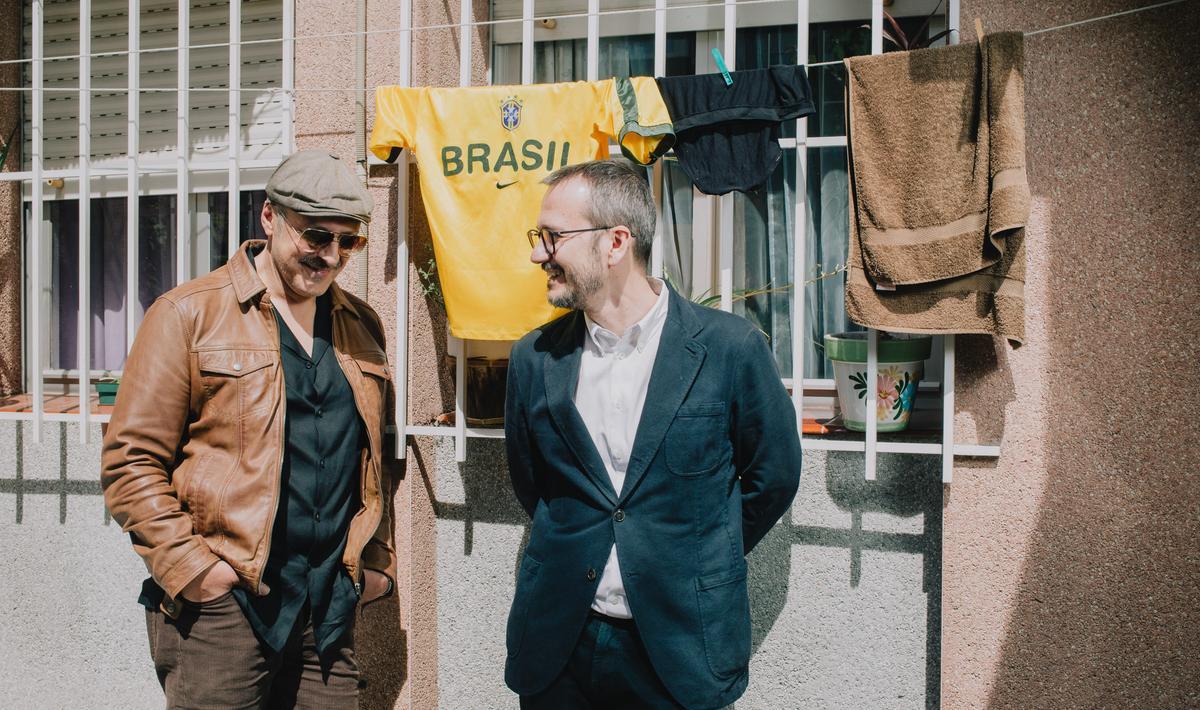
{"points": [[319, 495]]}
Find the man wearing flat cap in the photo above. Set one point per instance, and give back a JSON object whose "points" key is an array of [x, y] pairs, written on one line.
{"points": [[244, 459]]}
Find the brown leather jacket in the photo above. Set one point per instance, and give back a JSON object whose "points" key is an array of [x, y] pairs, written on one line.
{"points": [[192, 456]]}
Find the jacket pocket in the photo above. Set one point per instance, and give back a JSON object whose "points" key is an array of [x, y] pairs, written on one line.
{"points": [[201, 491], [698, 440], [238, 382], [526, 579], [725, 619]]}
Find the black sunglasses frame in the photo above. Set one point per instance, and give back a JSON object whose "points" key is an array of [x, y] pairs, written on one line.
{"points": [[551, 238]]}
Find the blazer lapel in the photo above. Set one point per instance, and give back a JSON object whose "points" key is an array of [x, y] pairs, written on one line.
{"points": [[676, 365], [562, 376]]}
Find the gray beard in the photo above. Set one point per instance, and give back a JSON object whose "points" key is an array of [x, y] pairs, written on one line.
{"points": [[577, 290]]}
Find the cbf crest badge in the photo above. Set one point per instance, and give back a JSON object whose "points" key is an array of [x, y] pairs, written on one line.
{"points": [[510, 112]]}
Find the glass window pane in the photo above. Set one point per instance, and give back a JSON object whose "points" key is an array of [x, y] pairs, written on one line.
{"points": [[566, 59], [106, 275], [763, 243], [677, 196], [249, 222], [832, 42], [827, 238]]}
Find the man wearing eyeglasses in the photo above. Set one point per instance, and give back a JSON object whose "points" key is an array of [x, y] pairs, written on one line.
{"points": [[653, 445], [244, 459]]}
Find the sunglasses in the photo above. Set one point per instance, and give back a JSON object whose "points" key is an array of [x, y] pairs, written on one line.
{"points": [[318, 239]]}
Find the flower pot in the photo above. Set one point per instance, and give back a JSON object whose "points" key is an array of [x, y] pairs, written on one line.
{"points": [[107, 392], [486, 382], [901, 366]]}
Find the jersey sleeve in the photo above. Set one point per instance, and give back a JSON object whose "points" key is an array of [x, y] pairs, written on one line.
{"points": [[395, 127], [638, 119]]}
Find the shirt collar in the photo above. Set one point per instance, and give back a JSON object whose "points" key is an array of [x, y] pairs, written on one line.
{"points": [[637, 336]]}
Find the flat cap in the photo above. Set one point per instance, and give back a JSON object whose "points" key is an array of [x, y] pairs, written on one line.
{"points": [[316, 184]]}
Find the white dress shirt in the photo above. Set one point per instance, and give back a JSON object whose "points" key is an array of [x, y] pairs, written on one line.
{"points": [[614, 373]]}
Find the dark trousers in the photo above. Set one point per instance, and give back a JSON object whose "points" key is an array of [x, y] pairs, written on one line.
{"points": [[609, 668], [210, 658]]}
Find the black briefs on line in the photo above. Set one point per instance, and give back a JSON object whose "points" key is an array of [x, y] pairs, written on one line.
{"points": [[726, 137]]}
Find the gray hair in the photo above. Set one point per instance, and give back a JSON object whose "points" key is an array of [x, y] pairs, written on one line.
{"points": [[620, 193]]}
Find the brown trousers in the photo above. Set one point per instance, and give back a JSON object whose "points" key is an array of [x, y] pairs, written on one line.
{"points": [[210, 658]]}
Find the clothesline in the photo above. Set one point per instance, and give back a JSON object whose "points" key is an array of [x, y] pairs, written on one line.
{"points": [[488, 23], [1089, 20], [257, 89]]}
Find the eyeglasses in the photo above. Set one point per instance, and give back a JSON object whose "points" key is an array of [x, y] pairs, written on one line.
{"points": [[550, 238], [317, 239]]}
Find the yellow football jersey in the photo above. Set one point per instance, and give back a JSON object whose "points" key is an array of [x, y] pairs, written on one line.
{"points": [[482, 153]]}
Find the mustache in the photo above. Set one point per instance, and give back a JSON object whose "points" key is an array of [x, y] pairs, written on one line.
{"points": [[313, 261], [551, 268]]}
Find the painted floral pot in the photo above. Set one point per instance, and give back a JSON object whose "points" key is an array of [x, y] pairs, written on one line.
{"points": [[901, 366]]}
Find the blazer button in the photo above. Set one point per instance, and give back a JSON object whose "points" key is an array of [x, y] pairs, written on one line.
{"points": [[591, 575], [619, 516]]}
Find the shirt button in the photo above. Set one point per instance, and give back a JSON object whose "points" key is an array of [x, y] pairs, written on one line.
{"points": [[237, 367], [591, 574], [317, 516], [619, 516]]}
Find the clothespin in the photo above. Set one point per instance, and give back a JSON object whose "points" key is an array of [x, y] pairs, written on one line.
{"points": [[721, 66], [979, 30]]}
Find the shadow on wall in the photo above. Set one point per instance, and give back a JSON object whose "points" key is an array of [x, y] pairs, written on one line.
{"points": [[63, 487], [1107, 610], [902, 491], [487, 497]]}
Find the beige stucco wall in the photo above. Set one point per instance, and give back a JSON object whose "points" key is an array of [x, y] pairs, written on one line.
{"points": [[10, 205], [1071, 570]]}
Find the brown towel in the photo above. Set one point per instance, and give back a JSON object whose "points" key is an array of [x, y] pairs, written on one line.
{"points": [[938, 192]]}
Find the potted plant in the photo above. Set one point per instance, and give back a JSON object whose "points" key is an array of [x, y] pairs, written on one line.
{"points": [[901, 366], [106, 387]]}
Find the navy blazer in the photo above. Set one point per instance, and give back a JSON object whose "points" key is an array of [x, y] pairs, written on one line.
{"points": [[714, 464]]}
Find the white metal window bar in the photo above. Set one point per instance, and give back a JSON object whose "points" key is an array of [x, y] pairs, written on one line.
{"points": [[85, 212]]}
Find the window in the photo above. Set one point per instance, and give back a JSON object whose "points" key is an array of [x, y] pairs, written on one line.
{"points": [[119, 292]]}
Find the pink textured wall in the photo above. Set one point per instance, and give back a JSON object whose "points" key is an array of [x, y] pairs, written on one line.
{"points": [[10, 205], [1071, 569]]}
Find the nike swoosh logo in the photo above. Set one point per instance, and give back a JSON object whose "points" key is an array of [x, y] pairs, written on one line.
{"points": [[502, 185]]}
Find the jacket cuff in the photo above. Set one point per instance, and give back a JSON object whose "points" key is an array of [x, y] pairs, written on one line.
{"points": [[180, 575]]}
